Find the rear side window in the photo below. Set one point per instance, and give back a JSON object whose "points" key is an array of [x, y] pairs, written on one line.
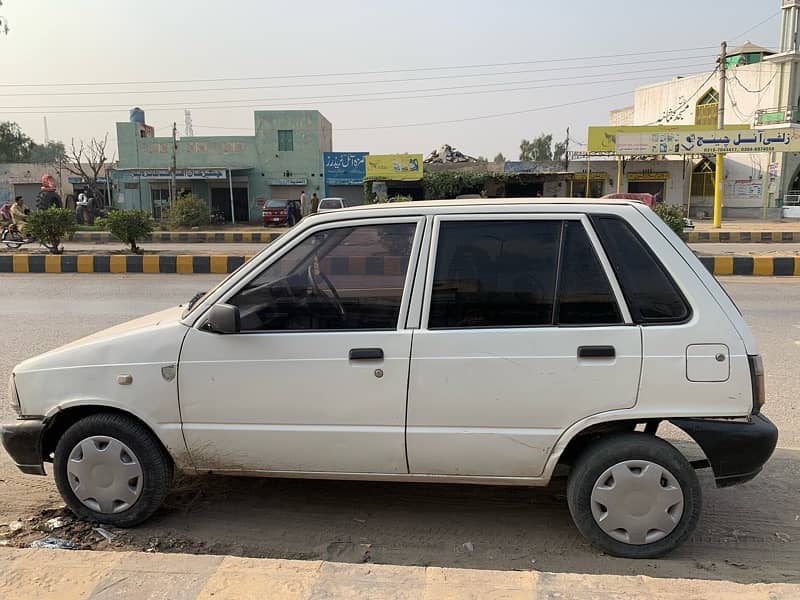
{"points": [[653, 297], [519, 274], [495, 274]]}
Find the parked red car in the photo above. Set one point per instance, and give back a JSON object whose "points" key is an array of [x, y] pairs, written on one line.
{"points": [[281, 212], [648, 199]]}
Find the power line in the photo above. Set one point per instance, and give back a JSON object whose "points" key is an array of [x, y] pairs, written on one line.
{"points": [[746, 89], [374, 82], [379, 72], [688, 98], [756, 26], [484, 117], [335, 98]]}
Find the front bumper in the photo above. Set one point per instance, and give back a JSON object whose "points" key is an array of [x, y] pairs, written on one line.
{"points": [[23, 442], [737, 451]]}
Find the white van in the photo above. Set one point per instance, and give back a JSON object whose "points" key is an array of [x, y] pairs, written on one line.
{"points": [[467, 341]]}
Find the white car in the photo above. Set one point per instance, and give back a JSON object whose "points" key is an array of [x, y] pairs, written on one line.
{"points": [[463, 341], [329, 204]]}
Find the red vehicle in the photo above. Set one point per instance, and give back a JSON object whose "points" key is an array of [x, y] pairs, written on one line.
{"points": [[280, 212], [648, 199]]}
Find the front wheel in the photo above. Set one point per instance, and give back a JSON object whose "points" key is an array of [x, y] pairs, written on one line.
{"points": [[634, 495], [111, 469], [12, 238]]}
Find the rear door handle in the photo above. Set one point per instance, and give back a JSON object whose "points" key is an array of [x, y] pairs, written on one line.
{"points": [[596, 352], [366, 354]]}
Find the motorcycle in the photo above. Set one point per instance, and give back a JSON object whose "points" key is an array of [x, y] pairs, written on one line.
{"points": [[12, 237]]}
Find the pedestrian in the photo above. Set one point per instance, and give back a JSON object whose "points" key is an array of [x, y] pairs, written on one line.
{"points": [[303, 204], [314, 202]]}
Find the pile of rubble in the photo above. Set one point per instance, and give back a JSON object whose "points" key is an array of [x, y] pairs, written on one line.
{"points": [[447, 154]]}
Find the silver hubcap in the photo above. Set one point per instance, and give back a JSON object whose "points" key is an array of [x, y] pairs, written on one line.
{"points": [[104, 474], [637, 502]]}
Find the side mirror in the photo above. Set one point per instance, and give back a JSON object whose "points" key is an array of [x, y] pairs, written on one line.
{"points": [[224, 319]]}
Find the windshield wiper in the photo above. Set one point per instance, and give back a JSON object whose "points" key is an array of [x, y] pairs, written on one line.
{"points": [[194, 300]]}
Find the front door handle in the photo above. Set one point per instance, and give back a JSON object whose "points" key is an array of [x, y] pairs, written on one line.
{"points": [[596, 352], [366, 354]]}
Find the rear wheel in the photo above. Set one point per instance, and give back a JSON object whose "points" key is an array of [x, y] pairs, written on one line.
{"points": [[111, 469], [634, 495]]}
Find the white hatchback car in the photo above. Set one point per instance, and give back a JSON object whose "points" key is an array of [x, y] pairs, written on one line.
{"points": [[462, 341]]}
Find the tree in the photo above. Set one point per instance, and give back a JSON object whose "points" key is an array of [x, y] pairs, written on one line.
{"points": [[51, 226], [15, 146], [499, 158], [49, 153], [87, 161], [559, 150], [128, 226], [538, 149]]}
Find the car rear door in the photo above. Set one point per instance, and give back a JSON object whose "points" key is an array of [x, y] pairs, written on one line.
{"points": [[524, 331]]}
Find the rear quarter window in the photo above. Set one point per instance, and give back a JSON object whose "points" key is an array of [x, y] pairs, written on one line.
{"points": [[653, 296]]}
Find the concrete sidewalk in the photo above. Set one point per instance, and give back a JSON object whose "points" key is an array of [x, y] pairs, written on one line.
{"points": [[68, 575]]}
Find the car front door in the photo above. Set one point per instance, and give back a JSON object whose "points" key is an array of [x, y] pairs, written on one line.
{"points": [[523, 332], [316, 380]]}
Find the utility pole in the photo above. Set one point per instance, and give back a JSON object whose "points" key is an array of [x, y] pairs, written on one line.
{"points": [[719, 167], [173, 191]]}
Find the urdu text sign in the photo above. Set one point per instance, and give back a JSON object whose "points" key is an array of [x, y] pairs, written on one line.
{"points": [[708, 142]]}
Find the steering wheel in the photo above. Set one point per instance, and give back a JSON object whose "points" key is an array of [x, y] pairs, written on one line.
{"points": [[333, 296]]}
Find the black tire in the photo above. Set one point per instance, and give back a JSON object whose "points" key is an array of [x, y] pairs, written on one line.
{"points": [[607, 452], [157, 468]]}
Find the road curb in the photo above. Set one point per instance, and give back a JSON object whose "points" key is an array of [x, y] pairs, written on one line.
{"points": [[192, 237], [716, 237], [85, 574], [779, 266]]}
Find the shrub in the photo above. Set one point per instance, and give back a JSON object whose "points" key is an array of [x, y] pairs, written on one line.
{"points": [[671, 215], [188, 211], [128, 226], [51, 226]]}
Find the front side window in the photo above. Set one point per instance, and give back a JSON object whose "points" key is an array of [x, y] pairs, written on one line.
{"points": [[285, 140], [351, 278], [519, 274]]}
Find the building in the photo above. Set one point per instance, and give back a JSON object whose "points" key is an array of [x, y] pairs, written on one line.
{"points": [[762, 92], [25, 179], [235, 175]]}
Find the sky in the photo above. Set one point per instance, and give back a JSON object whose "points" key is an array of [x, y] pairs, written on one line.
{"points": [[391, 76]]}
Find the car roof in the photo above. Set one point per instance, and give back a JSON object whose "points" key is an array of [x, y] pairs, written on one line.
{"points": [[499, 203]]}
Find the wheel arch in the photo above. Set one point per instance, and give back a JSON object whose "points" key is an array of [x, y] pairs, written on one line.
{"points": [[58, 423]]}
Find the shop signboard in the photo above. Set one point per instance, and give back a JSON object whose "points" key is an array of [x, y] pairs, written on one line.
{"points": [[288, 181], [603, 139], [708, 142], [179, 173], [344, 168], [649, 176], [394, 166]]}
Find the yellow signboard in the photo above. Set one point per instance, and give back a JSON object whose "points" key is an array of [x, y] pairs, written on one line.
{"points": [[592, 175], [648, 176], [604, 138], [394, 166]]}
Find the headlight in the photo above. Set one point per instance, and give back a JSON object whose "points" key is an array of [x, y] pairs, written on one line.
{"points": [[13, 395]]}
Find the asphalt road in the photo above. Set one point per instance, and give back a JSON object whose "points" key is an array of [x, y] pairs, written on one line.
{"points": [[748, 533]]}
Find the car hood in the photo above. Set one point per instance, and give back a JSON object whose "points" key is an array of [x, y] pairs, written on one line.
{"points": [[120, 343]]}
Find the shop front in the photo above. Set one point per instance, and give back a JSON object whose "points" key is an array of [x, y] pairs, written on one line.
{"points": [[595, 180], [396, 175], [344, 174], [649, 182]]}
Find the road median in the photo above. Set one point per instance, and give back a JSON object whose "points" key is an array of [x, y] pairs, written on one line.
{"points": [[187, 264]]}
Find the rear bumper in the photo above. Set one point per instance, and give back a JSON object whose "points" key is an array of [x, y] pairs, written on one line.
{"points": [[23, 442], [737, 451]]}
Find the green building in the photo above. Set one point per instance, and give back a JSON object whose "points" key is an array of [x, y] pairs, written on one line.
{"points": [[236, 175]]}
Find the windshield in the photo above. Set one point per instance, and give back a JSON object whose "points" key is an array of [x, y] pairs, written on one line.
{"points": [[277, 203]]}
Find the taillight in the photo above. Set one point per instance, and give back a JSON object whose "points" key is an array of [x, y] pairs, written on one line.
{"points": [[13, 395], [757, 381]]}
